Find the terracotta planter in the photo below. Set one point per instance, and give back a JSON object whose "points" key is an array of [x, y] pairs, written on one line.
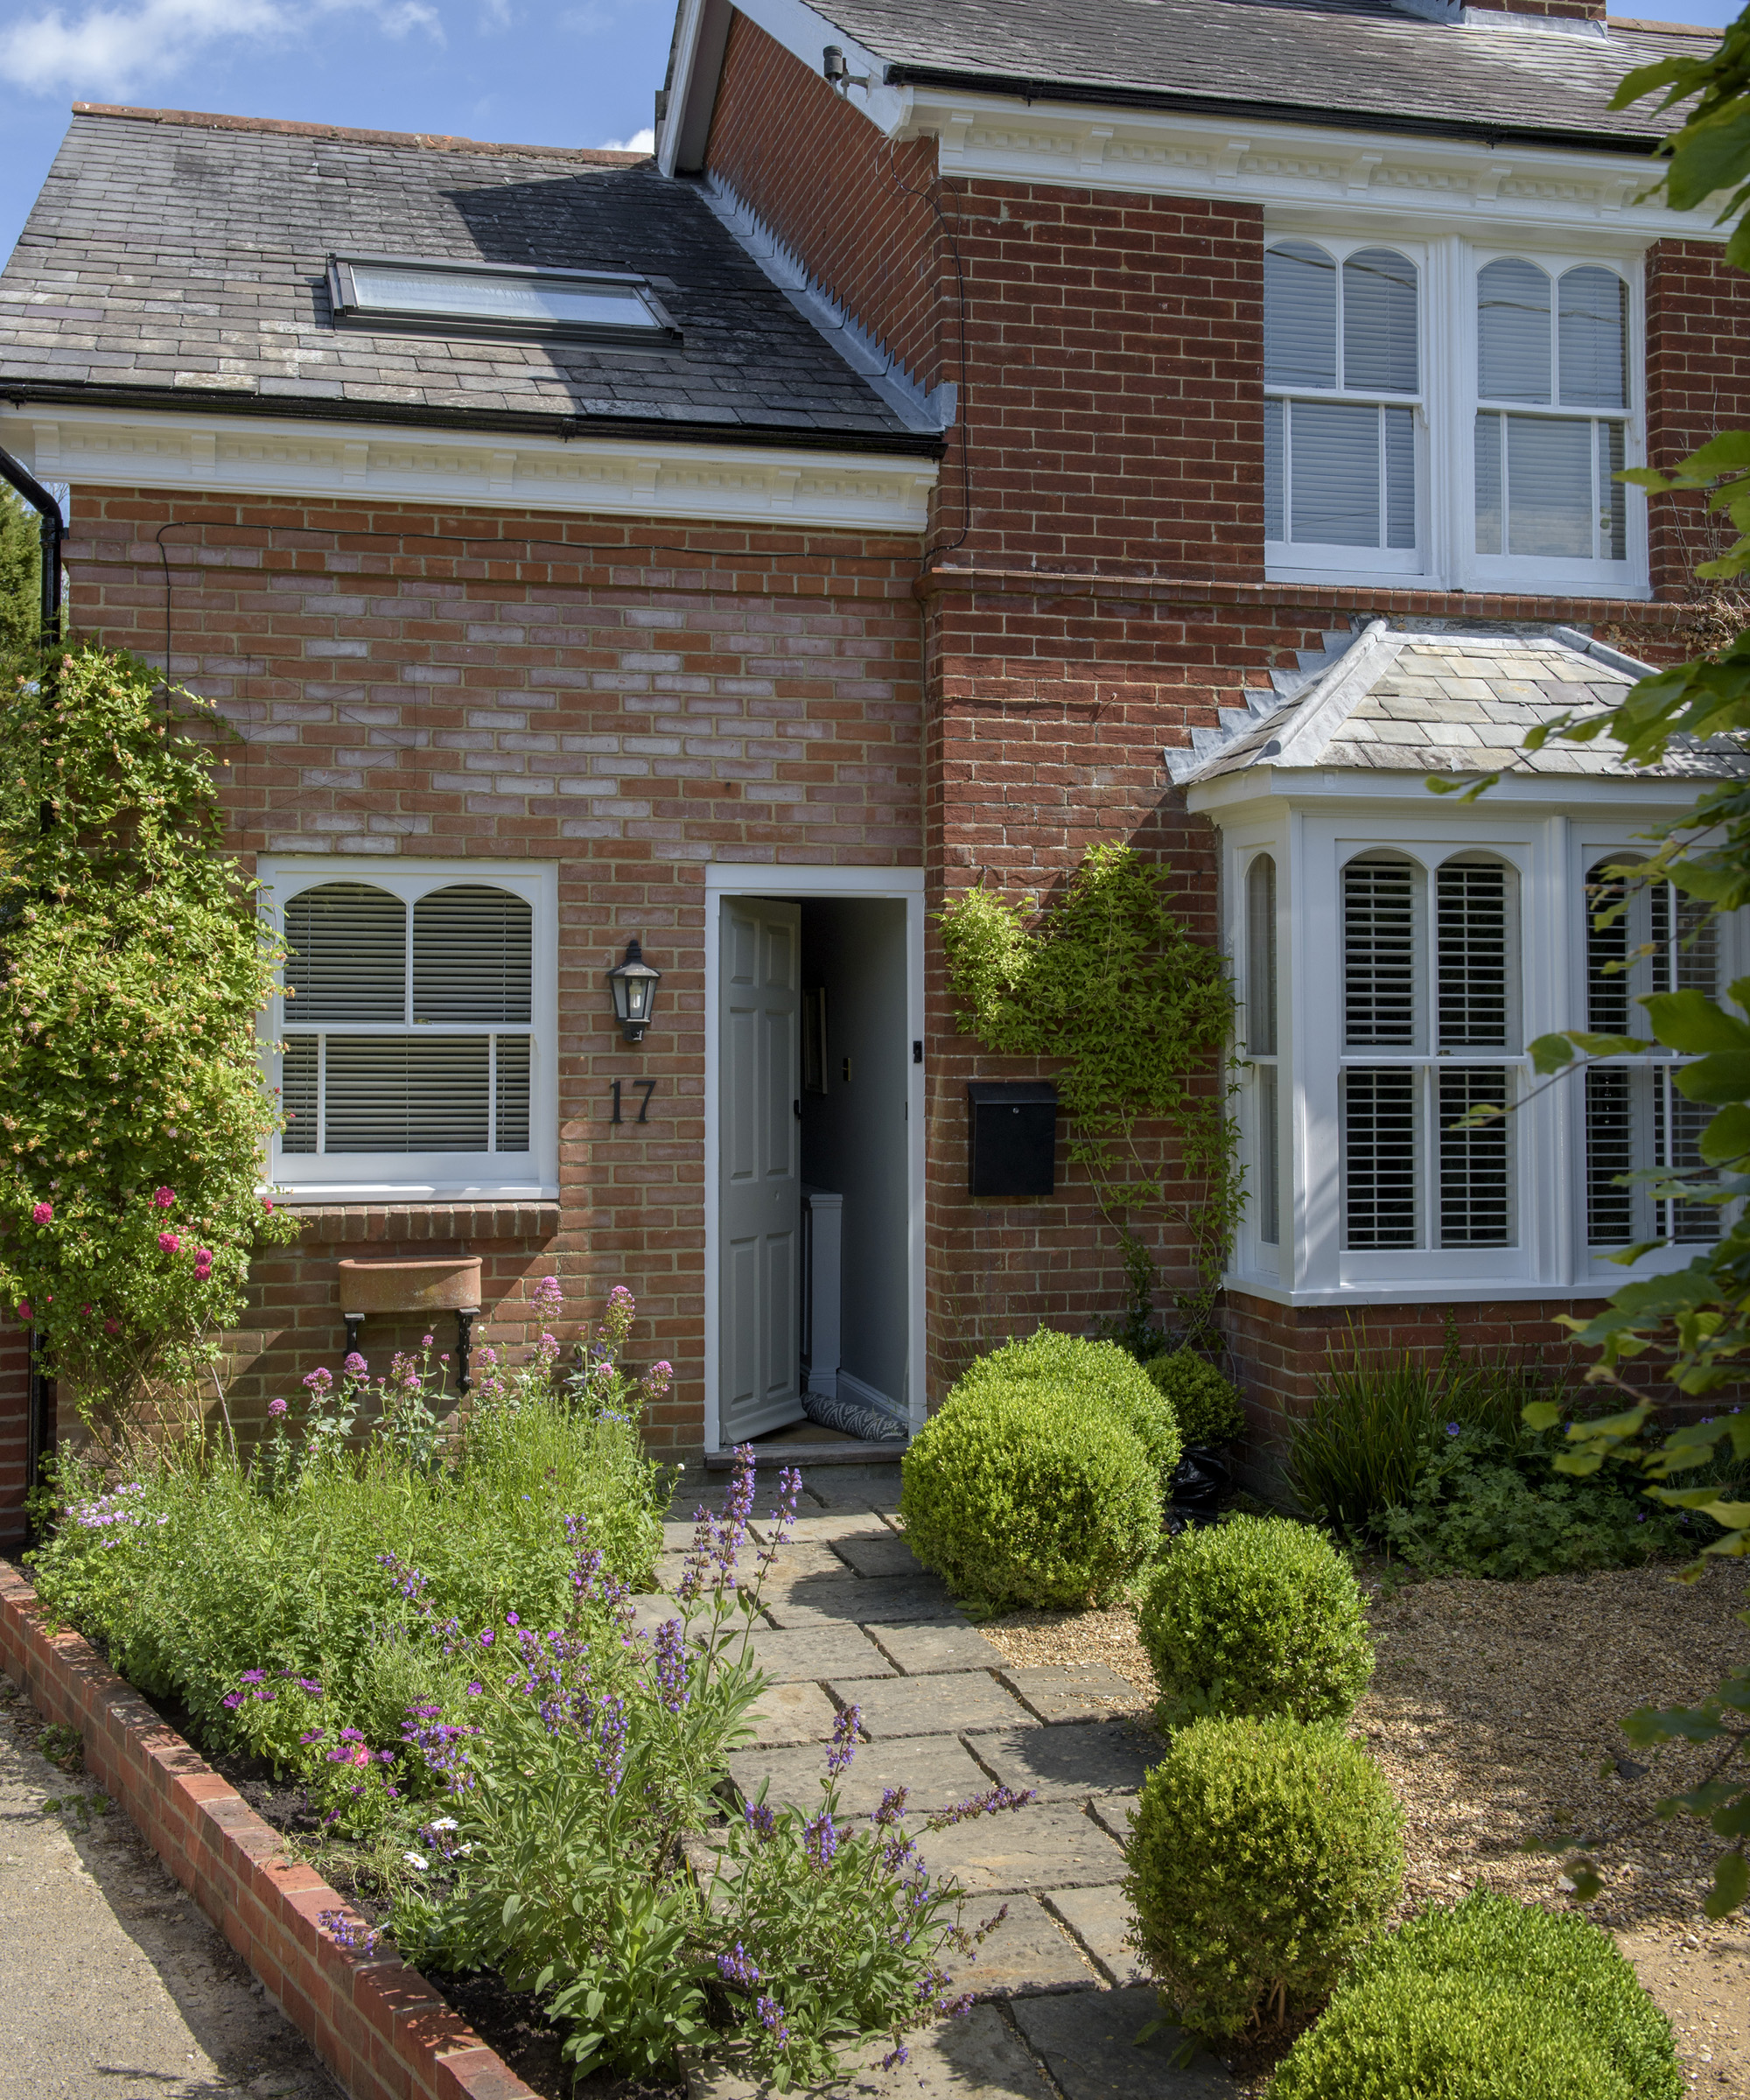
{"points": [[447, 1284]]}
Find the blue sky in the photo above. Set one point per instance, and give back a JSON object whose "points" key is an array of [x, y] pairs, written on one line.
{"points": [[575, 72]]}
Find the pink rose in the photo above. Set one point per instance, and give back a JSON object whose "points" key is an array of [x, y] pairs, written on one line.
{"points": [[163, 1199], [112, 1327], [267, 1202], [169, 1242], [25, 1311], [43, 1213]]}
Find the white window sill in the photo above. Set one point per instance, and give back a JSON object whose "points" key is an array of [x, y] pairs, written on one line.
{"points": [[1442, 1292], [310, 1194]]}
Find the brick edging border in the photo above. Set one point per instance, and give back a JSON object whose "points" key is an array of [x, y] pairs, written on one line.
{"points": [[378, 2024]]}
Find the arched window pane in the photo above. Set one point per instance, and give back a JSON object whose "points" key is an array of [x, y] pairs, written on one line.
{"points": [[1261, 956], [1379, 953], [1379, 322], [472, 955], [348, 960], [1513, 330], [1592, 329], [1300, 316]]}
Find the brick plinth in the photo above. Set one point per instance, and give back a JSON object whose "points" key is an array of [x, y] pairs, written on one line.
{"points": [[377, 2024]]}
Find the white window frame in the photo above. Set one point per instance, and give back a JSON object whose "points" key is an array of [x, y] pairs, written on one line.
{"points": [[414, 1177], [1313, 561], [1446, 559]]}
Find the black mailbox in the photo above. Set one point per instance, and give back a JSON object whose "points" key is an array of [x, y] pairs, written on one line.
{"points": [[1013, 1139]]}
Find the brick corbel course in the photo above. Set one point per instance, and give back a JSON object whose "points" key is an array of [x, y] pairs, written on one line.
{"points": [[377, 2025]]}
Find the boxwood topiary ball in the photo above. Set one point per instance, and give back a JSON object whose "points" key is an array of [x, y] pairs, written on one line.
{"points": [[1094, 1374], [1256, 1616], [1491, 2000], [1206, 1405], [1020, 1494], [1263, 1855]]}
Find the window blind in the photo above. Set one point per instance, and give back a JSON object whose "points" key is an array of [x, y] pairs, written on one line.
{"points": [[1300, 316], [472, 955], [1471, 944], [348, 954], [1379, 1156], [1607, 955], [1593, 332], [1379, 953], [297, 1093], [407, 1094], [1513, 330], [1380, 349], [1476, 1181]]}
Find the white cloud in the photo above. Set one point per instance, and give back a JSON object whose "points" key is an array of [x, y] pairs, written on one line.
{"points": [[112, 50], [640, 142]]}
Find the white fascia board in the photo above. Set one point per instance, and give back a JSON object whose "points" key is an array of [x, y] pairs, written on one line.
{"points": [[805, 34], [1306, 171], [1262, 788], [263, 455]]}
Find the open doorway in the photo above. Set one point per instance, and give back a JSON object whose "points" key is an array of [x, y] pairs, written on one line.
{"points": [[814, 1154]]}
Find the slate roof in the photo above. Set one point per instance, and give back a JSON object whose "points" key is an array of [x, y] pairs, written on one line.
{"points": [[1420, 701], [179, 259], [1318, 61]]}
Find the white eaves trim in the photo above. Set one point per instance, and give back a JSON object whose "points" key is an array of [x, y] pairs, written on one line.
{"points": [[723, 484], [1262, 786], [1386, 178]]}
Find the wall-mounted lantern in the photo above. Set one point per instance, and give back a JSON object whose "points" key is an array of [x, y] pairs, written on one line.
{"points": [[634, 992]]}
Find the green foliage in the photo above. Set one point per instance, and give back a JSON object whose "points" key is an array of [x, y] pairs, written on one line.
{"points": [[1109, 986], [1096, 1375], [1258, 1616], [135, 965], [20, 580], [1492, 2000], [1019, 1494], [1262, 1857], [1205, 1404]]}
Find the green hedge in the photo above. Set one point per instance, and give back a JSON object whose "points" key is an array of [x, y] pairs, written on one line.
{"points": [[1262, 1857], [1095, 1374], [1020, 1494], [1256, 1616], [1205, 1404], [1492, 2000]]}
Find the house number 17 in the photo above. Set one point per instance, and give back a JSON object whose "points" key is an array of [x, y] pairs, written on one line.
{"points": [[646, 1086]]}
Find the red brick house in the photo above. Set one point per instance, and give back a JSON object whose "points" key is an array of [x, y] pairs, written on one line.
{"points": [[978, 432]]}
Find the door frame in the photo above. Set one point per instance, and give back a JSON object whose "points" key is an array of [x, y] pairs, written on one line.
{"points": [[734, 879]]}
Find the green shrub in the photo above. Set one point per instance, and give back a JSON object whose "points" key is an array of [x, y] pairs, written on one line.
{"points": [[1363, 1441], [1492, 2000], [1021, 1495], [1263, 1855], [1091, 1374], [1257, 1615], [1205, 1404]]}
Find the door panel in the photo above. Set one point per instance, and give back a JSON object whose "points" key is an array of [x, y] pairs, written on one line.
{"points": [[759, 1160]]}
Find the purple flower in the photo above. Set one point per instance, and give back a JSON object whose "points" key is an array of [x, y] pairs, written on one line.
{"points": [[760, 1820], [1451, 1429], [820, 1840], [844, 1728], [475, 1690], [670, 1650], [252, 1676], [736, 1969], [991, 1804], [771, 2019], [347, 1933], [276, 1408]]}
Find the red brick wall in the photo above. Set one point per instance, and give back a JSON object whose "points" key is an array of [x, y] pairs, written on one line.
{"points": [[1697, 385], [628, 702]]}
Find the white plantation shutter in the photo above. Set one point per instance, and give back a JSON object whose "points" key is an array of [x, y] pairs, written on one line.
{"points": [[378, 1078], [472, 955], [1610, 1152], [1379, 1156], [1379, 952], [1476, 1179], [1472, 957], [349, 959]]}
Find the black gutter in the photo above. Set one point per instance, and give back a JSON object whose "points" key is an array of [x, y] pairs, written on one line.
{"points": [[1020, 87], [645, 428], [36, 1434]]}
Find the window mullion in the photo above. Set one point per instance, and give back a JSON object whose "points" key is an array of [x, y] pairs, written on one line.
{"points": [[321, 1094]]}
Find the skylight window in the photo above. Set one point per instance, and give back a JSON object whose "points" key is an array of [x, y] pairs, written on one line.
{"points": [[471, 298]]}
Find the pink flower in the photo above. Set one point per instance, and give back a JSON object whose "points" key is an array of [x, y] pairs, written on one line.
{"points": [[426, 1341], [547, 1291], [112, 1326], [43, 1213], [355, 1366], [267, 1202], [169, 1242], [276, 1408], [25, 1311], [163, 1198]]}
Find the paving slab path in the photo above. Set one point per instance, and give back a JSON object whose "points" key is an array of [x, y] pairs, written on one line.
{"points": [[849, 1619]]}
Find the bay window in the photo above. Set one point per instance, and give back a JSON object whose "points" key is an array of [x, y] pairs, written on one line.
{"points": [[416, 1048], [1443, 409]]}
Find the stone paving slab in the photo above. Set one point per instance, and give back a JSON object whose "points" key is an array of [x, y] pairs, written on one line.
{"points": [[1079, 1691], [858, 1487], [929, 1650], [812, 1654], [825, 1525], [1047, 1844], [978, 2058], [1100, 1919], [1088, 2041], [854, 1601], [801, 1560], [889, 1554], [1072, 1761], [786, 1714], [933, 1705], [937, 1770], [1028, 1953], [1112, 1813]]}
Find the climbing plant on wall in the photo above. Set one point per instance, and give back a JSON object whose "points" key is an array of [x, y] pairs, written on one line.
{"points": [[134, 963], [1108, 984]]}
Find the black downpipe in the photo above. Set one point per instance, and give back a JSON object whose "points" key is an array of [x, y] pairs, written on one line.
{"points": [[38, 1436]]}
